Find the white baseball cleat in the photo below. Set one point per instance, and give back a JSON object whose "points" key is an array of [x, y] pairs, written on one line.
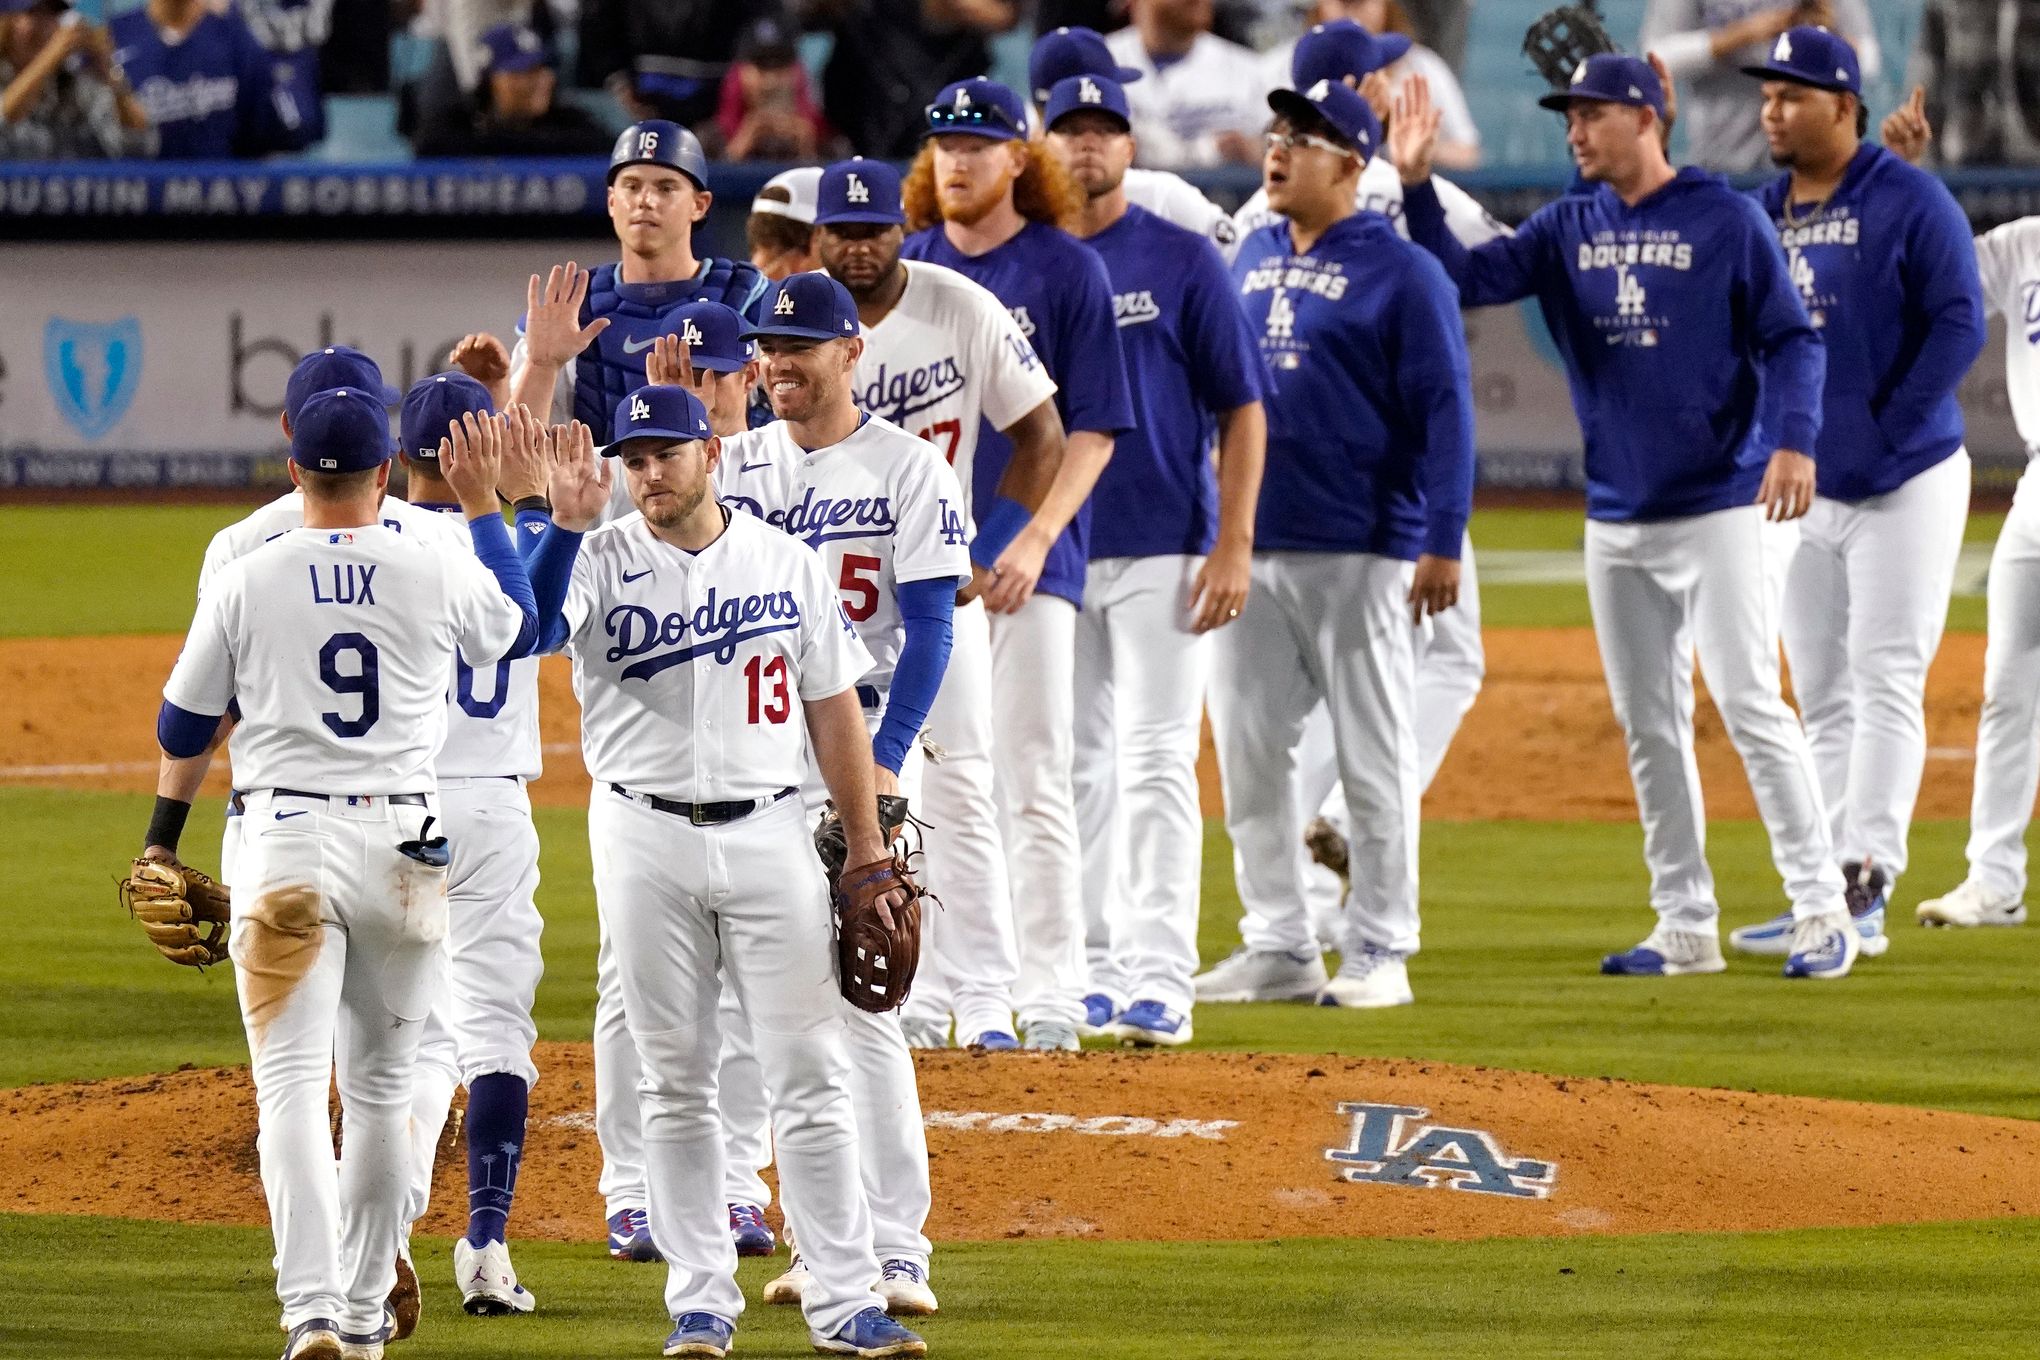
{"points": [[1824, 947], [1263, 975], [1668, 953], [904, 1287], [1971, 904], [488, 1282], [789, 1287], [1369, 979], [925, 1033]]}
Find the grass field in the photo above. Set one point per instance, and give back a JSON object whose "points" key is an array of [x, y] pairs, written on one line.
{"points": [[1516, 915]]}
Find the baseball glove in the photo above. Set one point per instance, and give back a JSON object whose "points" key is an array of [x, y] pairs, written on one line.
{"points": [[185, 912], [1562, 38], [875, 963]]}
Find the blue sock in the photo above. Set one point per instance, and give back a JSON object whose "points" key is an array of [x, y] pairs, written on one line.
{"points": [[496, 1108]]}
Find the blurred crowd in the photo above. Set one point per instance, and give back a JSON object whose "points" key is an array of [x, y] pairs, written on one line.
{"points": [[809, 80]]}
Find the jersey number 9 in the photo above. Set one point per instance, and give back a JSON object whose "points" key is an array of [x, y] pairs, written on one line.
{"points": [[365, 681]]}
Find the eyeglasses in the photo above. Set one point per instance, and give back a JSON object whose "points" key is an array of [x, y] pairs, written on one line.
{"points": [[947, 117], [1289, 141]]}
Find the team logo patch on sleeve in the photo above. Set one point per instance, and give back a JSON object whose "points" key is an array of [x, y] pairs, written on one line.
{"points": [[1391, 1145]]}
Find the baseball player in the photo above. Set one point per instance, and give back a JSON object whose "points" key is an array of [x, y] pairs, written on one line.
{"points": [[1362, 512], [888, 516], [1170, 551], [1290, 911], [968, 184], [944, 358], [585, 335], [480, 1032], [1071, 51], [2007, 754], [1697, 420], [1882, 258], [710, 654], [334, 641]]}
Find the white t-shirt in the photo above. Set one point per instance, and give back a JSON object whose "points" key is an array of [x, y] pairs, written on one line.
{"points": [[1178, 112], [881, 507], [1174, 199], [1381, 190], [692, 668], [337, 644], [946, 355], [2008, 258], [492, 713]]}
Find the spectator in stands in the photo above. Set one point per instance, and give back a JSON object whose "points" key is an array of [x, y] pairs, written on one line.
{"points": [[203, 78], [60, 96], [767, 112], [513, 113], [663, 58], [1981, 70], [1458, 134], [892, 57], [292, 31], [1198, 100], [781, 228], [1706, 43]]}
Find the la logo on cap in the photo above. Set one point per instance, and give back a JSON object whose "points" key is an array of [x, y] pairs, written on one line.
{"points": [[963, 99], [1089, 93], [1321, 90], [1783, 51], [1579, 73], [640, 409], [783, 307], [857, 193], [690, 334]]}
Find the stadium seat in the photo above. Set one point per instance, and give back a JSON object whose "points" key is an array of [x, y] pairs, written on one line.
{"points": [[362, 128]]}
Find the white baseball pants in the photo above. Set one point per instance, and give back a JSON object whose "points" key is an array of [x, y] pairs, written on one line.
{"points": [[1865, 604], [680, 901], [1141, 674], [338, 945], [968, 956], [1709, 584], [481, 1023], [1330, 627], [2008, 730]]}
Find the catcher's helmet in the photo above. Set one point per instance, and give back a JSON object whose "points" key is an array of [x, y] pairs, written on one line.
{"points": [[658, 142]]}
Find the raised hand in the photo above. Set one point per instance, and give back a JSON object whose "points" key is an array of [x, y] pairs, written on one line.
{"points": [[669, 364], [524, 462], [1906, 130], [578, 482], [1413, 132], [1671, 89], [482, 357], [471, 460], [552, 316]]}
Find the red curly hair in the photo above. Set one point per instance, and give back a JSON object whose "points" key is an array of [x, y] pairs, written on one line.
{"points": [[1043, 193]]}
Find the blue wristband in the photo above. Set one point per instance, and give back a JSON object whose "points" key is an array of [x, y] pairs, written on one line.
{"points": [[997, 528]]}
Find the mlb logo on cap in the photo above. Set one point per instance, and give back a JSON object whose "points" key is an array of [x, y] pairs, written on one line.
{"points": [[431, 407], [859, 190], [1809, 55], [809, 306], [342, 430], [668, 414]]}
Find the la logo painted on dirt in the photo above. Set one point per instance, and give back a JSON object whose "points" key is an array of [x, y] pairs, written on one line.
{"points": [[1391, 1146]]}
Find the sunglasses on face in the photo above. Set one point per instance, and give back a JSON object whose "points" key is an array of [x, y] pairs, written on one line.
{"points": [[1289, 141], [949, 118]]}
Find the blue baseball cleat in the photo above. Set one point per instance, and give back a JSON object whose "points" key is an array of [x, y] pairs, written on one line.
{"points": [[702, 1334], [1867, 889], [1667, 953], [630, 1236], [870, 1334], [1151, 1024], [750, 1232], [994, 1041], [1823, 948], [1099, 1013]]}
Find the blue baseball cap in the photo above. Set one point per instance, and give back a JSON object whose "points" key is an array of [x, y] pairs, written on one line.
{"points": [[858, 190], [1341, 48], [659, 142], [1344, 109], [512, 48], [980, 107], [1077, 94], [811, 306], [432, 405], [1611, 78], [1812, 56], [713, 334], [345, 429], [335, 366], [663, 413], [1065, 52]]}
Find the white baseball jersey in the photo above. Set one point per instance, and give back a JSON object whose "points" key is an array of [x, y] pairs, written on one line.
{"points": [[1174, 199], [691, 668], [947, 354], [1381, 190], [881, 507], [492, 712], [1178, 111], [337, 643], [2008, 258]]}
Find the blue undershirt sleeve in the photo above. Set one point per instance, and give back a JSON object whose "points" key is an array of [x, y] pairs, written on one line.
{"points": [[928, 613], [551, 564], [492, 546], [182, 733]]}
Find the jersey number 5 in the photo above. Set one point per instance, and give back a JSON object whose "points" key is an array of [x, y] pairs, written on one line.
{"points": [[858, 587], [771, 700], [365, 680]]}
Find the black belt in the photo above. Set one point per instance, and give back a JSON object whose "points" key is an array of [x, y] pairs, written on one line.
{"points": [[703, 814], [237, 804], [868, 695]]}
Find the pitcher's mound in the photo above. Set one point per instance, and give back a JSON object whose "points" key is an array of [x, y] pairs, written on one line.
{"points": [[1163, 1147]]}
